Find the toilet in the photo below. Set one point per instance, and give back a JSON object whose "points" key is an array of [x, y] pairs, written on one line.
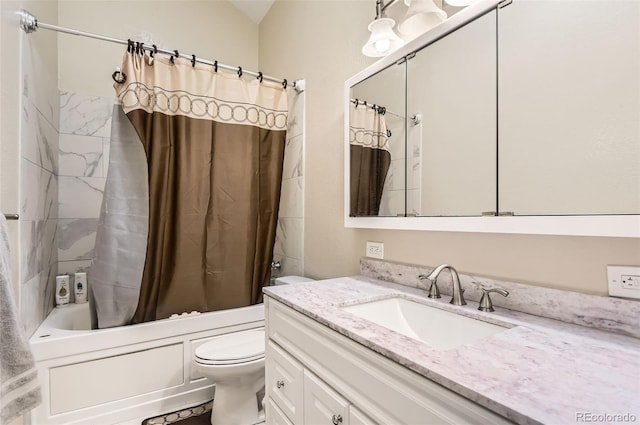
{"points": [[235, 363]]}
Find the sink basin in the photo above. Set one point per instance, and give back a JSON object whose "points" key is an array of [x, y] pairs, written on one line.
{"points": [[440, 329]]}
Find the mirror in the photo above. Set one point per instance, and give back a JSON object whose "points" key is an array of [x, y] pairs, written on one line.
{"points": [[569, 128], [451, 86], [535, 121], [377, 144]]}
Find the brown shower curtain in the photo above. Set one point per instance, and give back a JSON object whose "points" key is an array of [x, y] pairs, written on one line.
{"points": [[214, 145], [369, 159]]}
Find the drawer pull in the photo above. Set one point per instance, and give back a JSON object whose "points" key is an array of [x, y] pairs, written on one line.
{"points": [[336, 419], [280, 384]]}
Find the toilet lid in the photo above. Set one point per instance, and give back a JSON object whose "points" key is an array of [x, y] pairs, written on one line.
{"points": [[233, 348]]}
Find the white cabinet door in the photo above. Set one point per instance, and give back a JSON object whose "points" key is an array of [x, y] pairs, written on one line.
{"points": [[283, 382], [357, 417], [322, 405], [275, 416]]}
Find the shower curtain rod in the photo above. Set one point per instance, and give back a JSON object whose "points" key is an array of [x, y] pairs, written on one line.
{"points": [[30, 24], [378, 108], [416, 118]]}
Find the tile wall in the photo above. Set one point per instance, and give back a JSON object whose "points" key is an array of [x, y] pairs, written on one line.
{"points": [[38, 183], [83, 155]]}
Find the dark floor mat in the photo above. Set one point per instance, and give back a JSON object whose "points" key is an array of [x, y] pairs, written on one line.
{"points": [[196, 415]]}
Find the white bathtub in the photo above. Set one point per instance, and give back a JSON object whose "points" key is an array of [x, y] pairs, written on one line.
{"points": [[116, 375]]}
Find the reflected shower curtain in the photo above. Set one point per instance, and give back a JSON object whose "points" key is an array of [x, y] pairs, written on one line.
{"points": [[214, 148], [369, 159]]}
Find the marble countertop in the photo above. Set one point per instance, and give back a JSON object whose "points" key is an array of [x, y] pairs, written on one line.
{"points": [[539, 371]]}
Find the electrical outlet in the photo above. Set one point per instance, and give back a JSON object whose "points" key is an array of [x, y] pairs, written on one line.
{"points": [[375, 250], [624, 281]]}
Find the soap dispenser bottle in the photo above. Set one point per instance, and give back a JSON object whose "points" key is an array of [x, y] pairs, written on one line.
{"points": [[80, 287], [62, 290]]}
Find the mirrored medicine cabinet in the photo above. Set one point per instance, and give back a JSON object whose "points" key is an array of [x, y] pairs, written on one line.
{"points": [[510, 117]]}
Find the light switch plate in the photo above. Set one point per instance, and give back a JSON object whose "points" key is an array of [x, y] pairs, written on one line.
{"points": [[624, 281]]}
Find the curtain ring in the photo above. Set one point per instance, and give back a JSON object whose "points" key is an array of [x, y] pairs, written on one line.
{"points": [[129, 46], [388, 133], [142, 48], [284, 83], [239, 71], [171, 60], [356, 102], [155, 50], [193, 61], [137, 48], [122, 79], [260, 76], [215, 66]]}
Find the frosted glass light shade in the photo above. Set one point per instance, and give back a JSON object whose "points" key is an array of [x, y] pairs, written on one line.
{"points": [[382, 40], [460, 3], [421, 16]]}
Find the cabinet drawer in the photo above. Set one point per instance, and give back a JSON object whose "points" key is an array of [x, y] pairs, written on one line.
{"points": [[322, 405], [275, 416], [283, 382]]}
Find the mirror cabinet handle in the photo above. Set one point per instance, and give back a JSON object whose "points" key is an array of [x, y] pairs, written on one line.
{"points": [[336, 419]]}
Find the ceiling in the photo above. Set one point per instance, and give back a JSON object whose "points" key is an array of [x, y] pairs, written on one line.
{"points": [[254, 9]]}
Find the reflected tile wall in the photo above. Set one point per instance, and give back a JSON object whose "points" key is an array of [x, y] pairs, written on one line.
{"points": [[393, 191], [289, 245], [85, 129]]}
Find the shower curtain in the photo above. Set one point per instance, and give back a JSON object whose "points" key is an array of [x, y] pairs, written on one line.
{"points": [[213, 147], [369, 159]]}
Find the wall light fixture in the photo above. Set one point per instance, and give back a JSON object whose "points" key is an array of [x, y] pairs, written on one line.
{"points": [[421, 16]]}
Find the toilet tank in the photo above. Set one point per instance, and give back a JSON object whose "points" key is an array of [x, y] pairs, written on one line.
{"points": [[287, 280]]}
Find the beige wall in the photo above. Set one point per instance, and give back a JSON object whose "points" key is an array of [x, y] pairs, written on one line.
{"points": [[320, 41], [213, 30]]}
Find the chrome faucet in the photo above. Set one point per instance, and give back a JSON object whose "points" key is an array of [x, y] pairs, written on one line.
{"points": [[434, 292]]}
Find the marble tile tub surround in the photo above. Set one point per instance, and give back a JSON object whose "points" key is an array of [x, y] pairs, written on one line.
{"points": [[540, 371], [83, 156], [605, 313]]}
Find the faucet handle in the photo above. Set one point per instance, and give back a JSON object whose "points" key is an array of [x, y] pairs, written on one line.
{"points": [[434, 292], [485, 300]]}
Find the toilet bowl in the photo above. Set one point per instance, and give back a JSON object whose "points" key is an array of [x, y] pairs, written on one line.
{"points": [[235, 363]]}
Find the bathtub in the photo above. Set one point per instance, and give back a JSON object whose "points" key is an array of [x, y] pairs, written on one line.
{"points": [[121, 375]]}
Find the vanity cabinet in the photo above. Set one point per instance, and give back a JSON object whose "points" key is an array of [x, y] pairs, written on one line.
{"points": [[314, 375]]}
